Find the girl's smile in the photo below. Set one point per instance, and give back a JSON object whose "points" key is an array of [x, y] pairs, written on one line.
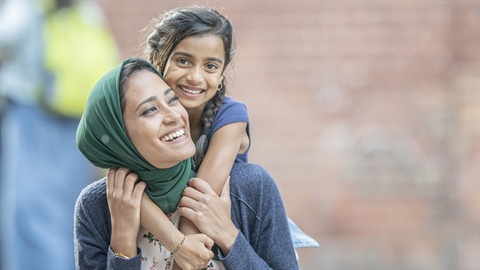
{"points": [[194, 70]]}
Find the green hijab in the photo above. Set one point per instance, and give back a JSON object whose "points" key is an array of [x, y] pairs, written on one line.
{"points": [[102, 138]]}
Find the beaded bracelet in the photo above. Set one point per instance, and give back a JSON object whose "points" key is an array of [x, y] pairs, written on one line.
{"points": [[179, 245]]}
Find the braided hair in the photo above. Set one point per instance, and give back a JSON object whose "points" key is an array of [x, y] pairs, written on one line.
{"points": [[179, 24]]}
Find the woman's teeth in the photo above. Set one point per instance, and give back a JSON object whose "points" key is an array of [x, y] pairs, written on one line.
{"points": [[173, 136]]}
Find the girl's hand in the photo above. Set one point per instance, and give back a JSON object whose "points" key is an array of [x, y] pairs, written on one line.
{"points": [[124, 196], [195, 252], [209, 212]]}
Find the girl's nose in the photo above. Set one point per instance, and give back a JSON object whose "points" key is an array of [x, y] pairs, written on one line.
{"points": [[195, 75]]}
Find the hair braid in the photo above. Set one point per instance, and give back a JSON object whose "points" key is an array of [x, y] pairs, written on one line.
{"points": [[211, 109]]}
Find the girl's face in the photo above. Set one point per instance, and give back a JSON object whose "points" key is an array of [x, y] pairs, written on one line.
{"points": [[156, 122], [194, 69]]}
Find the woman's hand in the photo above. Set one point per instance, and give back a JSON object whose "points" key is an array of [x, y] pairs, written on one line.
{"points": [[209, 212], [124, 196]]}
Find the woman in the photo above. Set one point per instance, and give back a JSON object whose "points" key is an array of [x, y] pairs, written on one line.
{"points": [[134, 120]]}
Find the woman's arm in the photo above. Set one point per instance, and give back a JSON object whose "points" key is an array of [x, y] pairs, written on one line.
{"points": [[224, 146], [263, 237], [92, 232], [124, 196]]}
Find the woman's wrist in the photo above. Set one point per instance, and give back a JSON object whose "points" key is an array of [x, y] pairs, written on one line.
{"points": [[226, 241], [121, 249]]}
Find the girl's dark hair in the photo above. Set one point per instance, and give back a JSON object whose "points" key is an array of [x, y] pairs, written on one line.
{"points": [[179, 24], [129, 68]]}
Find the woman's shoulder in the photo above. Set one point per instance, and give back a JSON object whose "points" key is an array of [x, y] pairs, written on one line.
{"points": [[95, 189], [93, 196]]}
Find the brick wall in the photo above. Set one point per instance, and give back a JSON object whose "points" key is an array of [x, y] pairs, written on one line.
{"points": [[367, 114]]}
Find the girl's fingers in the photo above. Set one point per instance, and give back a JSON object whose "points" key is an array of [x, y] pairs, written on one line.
{"points": [[208, 242]]}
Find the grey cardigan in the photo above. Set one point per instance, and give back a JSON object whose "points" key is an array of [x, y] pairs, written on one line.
{"points": [[258, 212]]}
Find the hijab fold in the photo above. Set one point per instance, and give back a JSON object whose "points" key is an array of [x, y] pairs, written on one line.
{"points": [[102, 138]]}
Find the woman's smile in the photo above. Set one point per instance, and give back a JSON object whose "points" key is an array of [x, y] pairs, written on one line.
{"points": [[174, 136]]}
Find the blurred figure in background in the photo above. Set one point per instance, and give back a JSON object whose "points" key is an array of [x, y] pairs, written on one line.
{"points": [[46, 72]]}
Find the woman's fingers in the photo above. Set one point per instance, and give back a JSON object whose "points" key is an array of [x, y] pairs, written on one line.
{"points": [[188, 213], [201, 185], [129, 185], [226, 190], [111, 181], [138, 191]]}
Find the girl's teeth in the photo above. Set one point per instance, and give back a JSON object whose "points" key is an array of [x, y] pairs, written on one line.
{"points": [[191, 91]]}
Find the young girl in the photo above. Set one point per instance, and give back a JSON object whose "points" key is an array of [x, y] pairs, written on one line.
{"points": [[192, 47]]}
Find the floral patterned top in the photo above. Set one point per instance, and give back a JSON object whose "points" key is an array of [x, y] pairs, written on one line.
{"points": [[155, 256]]}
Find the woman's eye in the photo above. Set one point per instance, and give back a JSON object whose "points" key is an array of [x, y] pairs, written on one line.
{"points": [[173, 99], [149, 110]]}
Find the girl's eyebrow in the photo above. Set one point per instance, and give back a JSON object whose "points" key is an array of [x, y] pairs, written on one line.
{"points": [[211, 59]]}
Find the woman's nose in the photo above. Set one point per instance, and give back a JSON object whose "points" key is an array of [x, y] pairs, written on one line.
{"points": [[171, 116]]}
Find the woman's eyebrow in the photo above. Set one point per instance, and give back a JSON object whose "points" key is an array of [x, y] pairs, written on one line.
{"points": [[150, 99], [167, 91]]}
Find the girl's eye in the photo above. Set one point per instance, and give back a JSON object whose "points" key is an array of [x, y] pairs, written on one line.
{"points": [[149, 110], [173, 99], [182, 61], [211, 66]]}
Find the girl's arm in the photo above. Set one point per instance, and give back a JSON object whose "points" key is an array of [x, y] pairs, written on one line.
{"points": [[223, 148], [194, 251]]}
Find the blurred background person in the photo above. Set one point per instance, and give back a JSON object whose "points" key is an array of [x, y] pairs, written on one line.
{"points": [[47, 51]]}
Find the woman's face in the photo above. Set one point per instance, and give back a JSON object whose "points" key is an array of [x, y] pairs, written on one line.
{"points": [[194, 69], [156, 122]]}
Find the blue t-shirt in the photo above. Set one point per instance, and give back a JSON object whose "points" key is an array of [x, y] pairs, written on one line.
{"points": [[231, 111]]}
